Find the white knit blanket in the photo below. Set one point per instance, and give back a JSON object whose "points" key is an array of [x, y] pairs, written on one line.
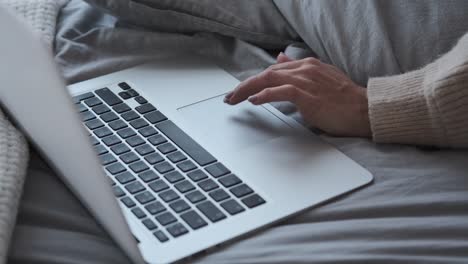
{"points": [[41, 15]]}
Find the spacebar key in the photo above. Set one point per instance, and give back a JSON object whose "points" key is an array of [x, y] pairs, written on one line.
{"points": [[186, 143]]}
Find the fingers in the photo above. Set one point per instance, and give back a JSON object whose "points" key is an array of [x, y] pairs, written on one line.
{"points": [[275, 75], [255, 84], [284, 92]]}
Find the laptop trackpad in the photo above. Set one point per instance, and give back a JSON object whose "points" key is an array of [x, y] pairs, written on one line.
{"points": [[232, 127]]}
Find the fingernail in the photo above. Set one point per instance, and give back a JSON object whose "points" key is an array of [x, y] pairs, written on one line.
{"points": [[228, 97], [253, 99]]}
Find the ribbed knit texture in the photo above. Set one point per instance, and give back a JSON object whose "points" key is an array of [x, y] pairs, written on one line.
{"points": [[41, 15], [428, 106]]}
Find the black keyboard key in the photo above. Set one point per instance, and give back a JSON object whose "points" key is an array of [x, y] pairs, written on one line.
{"points": [[148, 176], [117, 124], [165, 218], [120, 149], [184, 186], [176, 157], [144, 149], [125, 177], [124, 95], [102, 132], [132, 93], [81, 97], [208, 185], [115, 168], [155, 208], [138, 123], [93, 101], [211, 211], [130, 115], [158, 186], [126, 133], [173, 176], [128, 202], [153, 158], [100, 149], [197, 175], [129, 157], [145, 108], [195, 197], [144, 197], [168, 196], [111, 140], [138, 212], [176, 230], [93, 124], [232, 207], [149, 224], [161, 236], [134, 187], [118, 192], [193, 219], [179, 206], [186, 143], [253, 201], [107, 159], [187, 165], [163, 167], [124, 86], [241, 190], [108, 96], [138, 166], [121, 108], [157, 140], [230, 180], [87, 115], [147, 131], [219, 195], [109, 117], [155, 117], [217, 170], [140, 100], [135, 141], [81, 108], [100, 109]]}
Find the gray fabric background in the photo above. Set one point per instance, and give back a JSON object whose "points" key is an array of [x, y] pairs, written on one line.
{"points": [[414, 212]]}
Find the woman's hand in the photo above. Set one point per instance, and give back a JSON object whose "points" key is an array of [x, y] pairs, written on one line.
{"points": [[325, 97]]}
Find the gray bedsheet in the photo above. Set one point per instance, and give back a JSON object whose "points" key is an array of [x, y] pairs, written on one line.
{"points": [[416, 210]]}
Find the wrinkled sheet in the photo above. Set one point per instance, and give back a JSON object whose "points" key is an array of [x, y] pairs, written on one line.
{"points": [[415, 211]]}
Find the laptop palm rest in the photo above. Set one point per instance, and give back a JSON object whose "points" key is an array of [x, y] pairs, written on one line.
{"points": [[233, 127]]}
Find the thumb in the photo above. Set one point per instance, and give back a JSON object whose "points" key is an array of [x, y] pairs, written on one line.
{"points": [[282, 58]]}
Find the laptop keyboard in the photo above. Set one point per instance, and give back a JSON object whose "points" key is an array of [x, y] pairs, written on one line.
{"points": [[168, 181]]}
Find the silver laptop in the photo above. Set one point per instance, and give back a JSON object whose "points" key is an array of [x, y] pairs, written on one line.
{"points": [[163, 164]]}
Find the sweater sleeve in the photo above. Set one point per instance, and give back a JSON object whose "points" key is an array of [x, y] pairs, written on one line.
{"points": [[428, 106]]}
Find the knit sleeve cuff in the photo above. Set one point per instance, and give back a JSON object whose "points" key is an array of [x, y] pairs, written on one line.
{"points": [[399, 109]]}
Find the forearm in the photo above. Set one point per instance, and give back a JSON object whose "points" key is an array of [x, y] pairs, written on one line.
{"points": [[424, 107]]}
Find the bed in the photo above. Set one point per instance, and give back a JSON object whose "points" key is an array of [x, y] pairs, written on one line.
{"points": [[415, 211]]}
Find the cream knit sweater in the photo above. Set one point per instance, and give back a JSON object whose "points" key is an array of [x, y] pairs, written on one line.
{"points": [[428, 106]]}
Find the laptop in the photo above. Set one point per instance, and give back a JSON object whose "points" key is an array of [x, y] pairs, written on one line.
{"points": [[160, 161]]}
